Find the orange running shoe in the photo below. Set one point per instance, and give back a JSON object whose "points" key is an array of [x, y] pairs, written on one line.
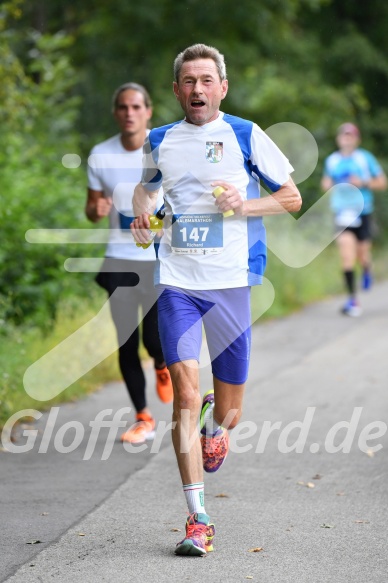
{"points": [[164, 385], [140, 431]]}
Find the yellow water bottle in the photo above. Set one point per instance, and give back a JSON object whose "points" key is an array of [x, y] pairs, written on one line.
{"points": [[216, 193], [156, 223]]}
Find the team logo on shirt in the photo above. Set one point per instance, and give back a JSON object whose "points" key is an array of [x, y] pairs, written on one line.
{"points": [[214, 151]]}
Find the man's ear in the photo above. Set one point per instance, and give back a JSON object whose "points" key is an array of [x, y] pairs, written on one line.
{"points": [[175, 88], [224, 88]]}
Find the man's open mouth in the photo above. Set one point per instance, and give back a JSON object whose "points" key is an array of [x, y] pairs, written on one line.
{"points": [[197, 103]]}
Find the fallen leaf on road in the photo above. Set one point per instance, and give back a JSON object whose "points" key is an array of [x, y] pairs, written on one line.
{"points": [[81, 534], [221, 495], [307, 484], [175, 530], [370, 453], [327, 525], [361, 521], [44, 513], [34, 542], [256, 550], [341, 494], [316, 477], [249, 577]]}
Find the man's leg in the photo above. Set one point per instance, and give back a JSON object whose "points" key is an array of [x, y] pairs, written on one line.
{"points": [[180, 318], [228, 401], [221, 411], [150, 330], [364, 255], [124, 310], [347, 245], [187, 402], [228, 332], [122, 280], [151, 341], [185, 436]]}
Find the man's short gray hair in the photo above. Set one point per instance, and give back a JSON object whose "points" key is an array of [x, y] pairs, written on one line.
{"points": [[200, 51], [134, 87]]}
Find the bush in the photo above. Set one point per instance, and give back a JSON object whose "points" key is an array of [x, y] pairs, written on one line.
{"points": [[38, 113]]}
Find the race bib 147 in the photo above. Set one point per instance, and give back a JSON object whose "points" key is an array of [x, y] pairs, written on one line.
{"points": [[197, 234]]}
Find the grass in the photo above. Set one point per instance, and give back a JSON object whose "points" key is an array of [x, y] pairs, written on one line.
{"points": [[285, 290], [294, 288], [27, 345]]}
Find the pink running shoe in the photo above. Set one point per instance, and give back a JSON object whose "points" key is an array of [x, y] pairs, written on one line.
{"points": [[199, 536], [214, 449]]}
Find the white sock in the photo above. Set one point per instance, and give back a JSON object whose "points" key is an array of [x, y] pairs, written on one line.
{"points": [[210, 426], [195, 497]]}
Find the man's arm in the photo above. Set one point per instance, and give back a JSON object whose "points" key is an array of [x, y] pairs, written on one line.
{"points": [[375, 183], [286, 199], [326, 183], [144, 201], [97, 206], [378, 182]]}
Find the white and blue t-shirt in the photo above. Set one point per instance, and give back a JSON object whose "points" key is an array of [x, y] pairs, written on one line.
{"points": [[340, 168], [116, 171], [200, 249]]}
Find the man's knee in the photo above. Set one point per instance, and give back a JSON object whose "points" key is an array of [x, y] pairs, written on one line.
{"points": [[186, 398]]}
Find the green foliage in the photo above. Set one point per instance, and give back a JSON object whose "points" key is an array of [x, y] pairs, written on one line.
{"points": [[38, 113], [32, 278], [312, 62], [27, 344]]}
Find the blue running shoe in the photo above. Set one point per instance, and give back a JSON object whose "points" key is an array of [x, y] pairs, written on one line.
{"points": [[199, 536], [367, 280], [352, 308]]}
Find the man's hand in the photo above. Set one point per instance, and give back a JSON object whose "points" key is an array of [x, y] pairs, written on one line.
{"points": [[230, 199], [286, 199], [140, 228], [103, 207], [97, 205]]}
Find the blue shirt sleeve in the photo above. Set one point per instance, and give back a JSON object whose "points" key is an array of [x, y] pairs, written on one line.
{"points": [[374, 167]]}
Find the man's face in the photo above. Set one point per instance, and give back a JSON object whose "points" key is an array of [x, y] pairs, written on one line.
{"points": [[348, 141], [200, 90], [131, 112]]}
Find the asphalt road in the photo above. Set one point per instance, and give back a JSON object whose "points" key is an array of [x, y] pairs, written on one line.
{"points": [[302, 496]]}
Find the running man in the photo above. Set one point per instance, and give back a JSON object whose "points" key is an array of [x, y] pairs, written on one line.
{"points": [[127, 272], [358, 167], [207, 263]]}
